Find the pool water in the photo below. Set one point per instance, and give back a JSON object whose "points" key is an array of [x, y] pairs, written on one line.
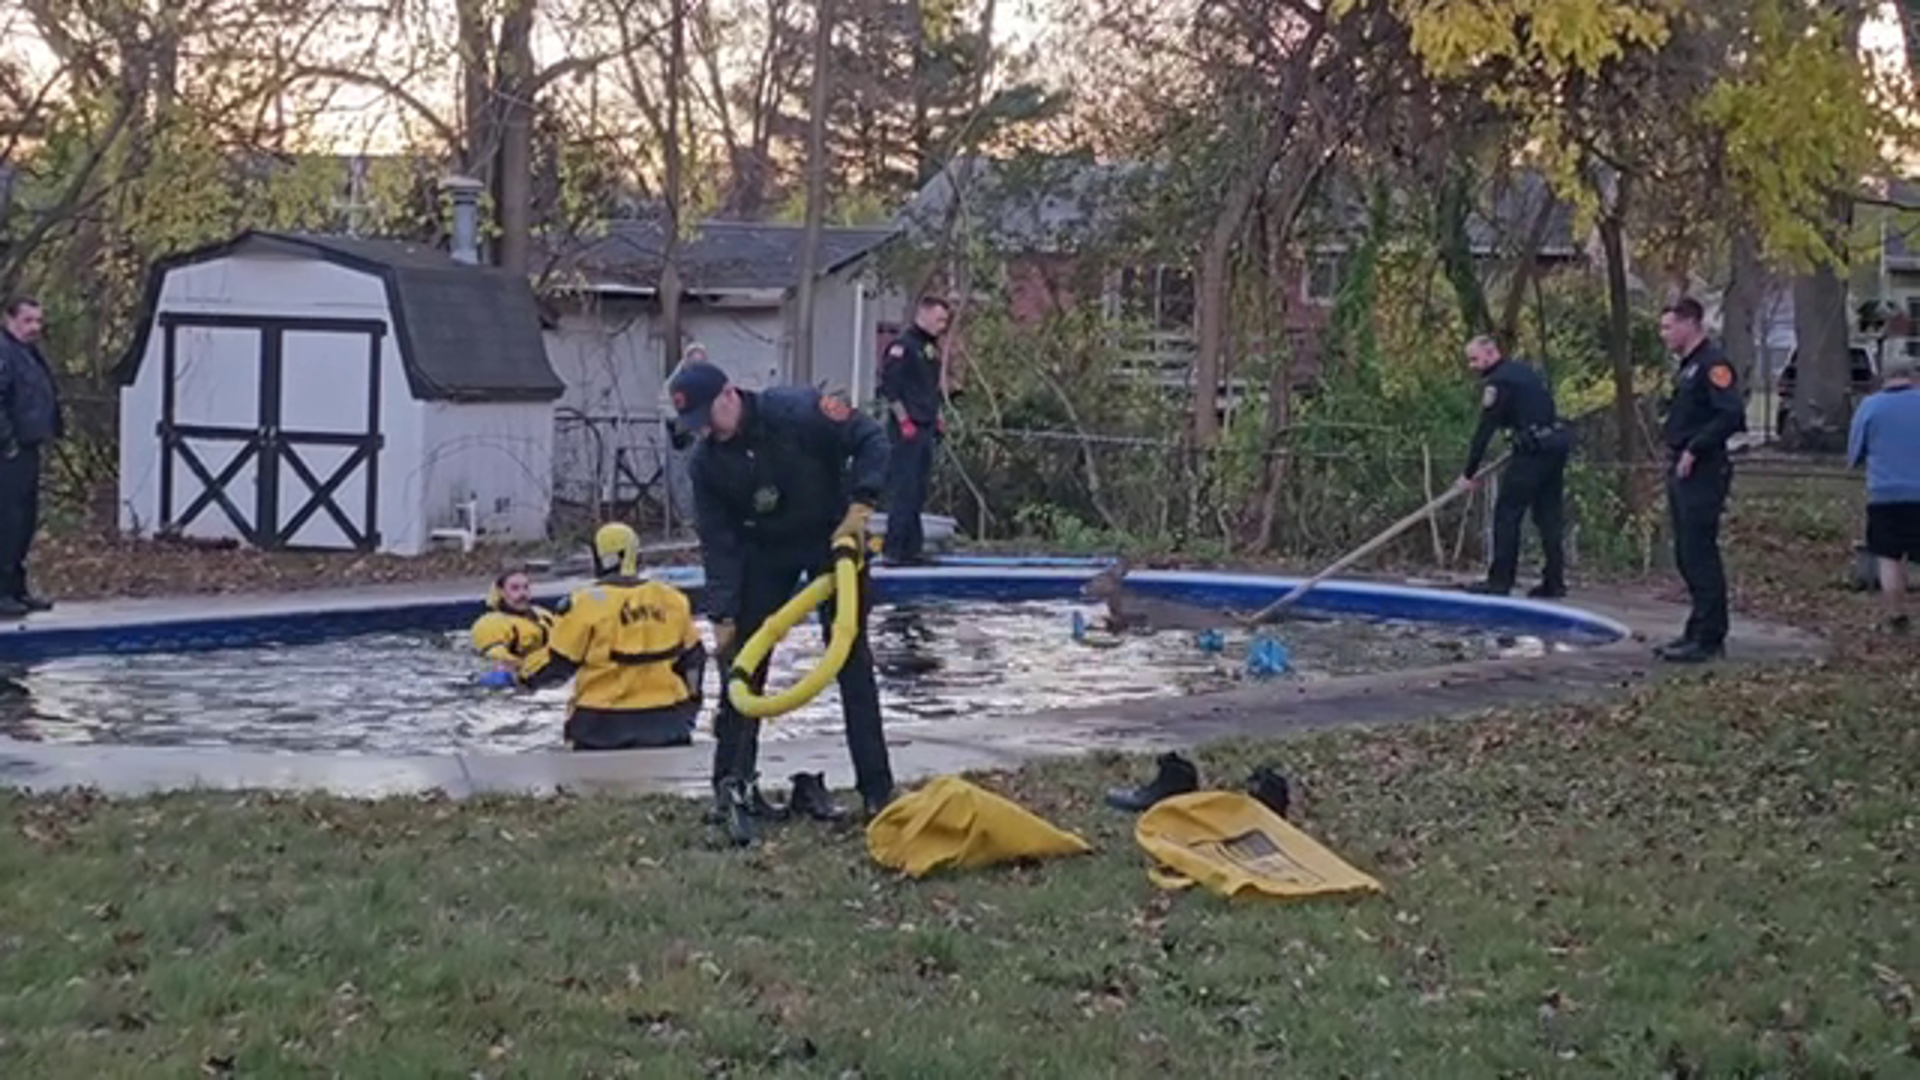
{"points": [[412, 694]]}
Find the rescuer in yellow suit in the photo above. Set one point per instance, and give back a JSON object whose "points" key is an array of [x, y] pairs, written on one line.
{"points": [[513, 631], [633, 650]]}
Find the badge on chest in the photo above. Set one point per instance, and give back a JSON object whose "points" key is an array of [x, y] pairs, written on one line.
{"points": [[766, 499]]}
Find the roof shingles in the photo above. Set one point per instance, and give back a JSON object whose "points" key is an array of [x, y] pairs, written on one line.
{"points": [[466, 333], [719, 256]]}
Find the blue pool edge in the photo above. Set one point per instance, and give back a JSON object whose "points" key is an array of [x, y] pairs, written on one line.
{"points": [[198, 624]]}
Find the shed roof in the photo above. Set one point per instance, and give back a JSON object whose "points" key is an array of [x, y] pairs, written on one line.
{"points": [[719, 256], [466, 333]]}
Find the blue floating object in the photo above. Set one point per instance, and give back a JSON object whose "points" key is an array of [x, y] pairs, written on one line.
{"points": [[1079, 627], [1211, 641], [1267, 657], [498, 678]]}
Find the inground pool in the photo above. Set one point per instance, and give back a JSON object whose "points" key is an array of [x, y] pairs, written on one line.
{"points": [[969, 637]]}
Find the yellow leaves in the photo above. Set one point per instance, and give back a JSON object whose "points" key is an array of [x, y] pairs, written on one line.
{"points": [[1555, 37], [1801, 120], [1452, 37]]}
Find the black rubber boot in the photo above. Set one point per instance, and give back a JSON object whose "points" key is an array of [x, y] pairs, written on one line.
{"points": [[733, 806], [761, 807], [1677, 643], [1693, 652], [1544, 591], [1267, 786], [809, 797], [757, 806], [1177, 776], [1488, 588]]}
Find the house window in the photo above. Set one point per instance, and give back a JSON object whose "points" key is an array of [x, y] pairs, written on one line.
{"points": [[1159, 297], [1325, 272], [1913, 326]]}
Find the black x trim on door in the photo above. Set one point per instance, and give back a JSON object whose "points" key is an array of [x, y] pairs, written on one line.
{"points": [[267, 444]]}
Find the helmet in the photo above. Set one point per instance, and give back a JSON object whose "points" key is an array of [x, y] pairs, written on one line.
{"points": [[616, 550]]}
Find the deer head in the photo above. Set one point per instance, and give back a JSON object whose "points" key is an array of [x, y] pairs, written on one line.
{"points": [[1106, 584]]}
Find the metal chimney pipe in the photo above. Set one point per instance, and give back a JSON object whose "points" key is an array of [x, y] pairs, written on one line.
{"points": [[464, 192]]}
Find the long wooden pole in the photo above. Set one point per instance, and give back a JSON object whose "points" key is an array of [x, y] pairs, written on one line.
{"points": [[1371, 546]]}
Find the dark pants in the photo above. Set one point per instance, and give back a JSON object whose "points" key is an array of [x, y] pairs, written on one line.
{"points": [[1696, 503], [1533, 483], [909, 464], [770, 580], [632, 729], [19, 517]]}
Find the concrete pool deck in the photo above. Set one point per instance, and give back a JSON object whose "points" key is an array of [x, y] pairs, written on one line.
{"points": [[920, 750]]}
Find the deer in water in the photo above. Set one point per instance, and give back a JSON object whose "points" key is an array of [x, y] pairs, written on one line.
{"points": [[1130, 609]]}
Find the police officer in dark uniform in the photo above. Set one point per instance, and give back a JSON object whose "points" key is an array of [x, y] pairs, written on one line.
{"points": [[778, 475], [912, 385], [30, 422], [1514, 397], [1706, 411]]}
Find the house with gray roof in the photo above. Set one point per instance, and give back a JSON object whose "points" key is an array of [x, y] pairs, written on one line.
{"points": [[739, 307]]}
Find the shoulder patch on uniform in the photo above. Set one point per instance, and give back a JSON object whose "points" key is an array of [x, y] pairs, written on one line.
{"points": [[1720, 375], [896, 350], [1489, 396], [835, 408]]}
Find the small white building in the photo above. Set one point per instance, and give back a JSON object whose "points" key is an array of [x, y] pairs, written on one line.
{"points": [[327, 392], [740, 283]]}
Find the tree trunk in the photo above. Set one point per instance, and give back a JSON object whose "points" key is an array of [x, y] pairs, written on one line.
{"points": [[1211, 290], [1746, 286], [1817, 416], [516, 79], [1620, 348], [477, 90], [1456, 250], [1286, 199], [818, 103], [920, 125], [1526, 270], [670, 286]]}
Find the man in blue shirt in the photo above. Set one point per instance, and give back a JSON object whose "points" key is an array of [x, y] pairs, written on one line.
{"points": [[1885, 438]]}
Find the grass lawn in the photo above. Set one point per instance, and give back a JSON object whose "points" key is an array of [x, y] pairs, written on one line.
{"points": [[1711, 877]]}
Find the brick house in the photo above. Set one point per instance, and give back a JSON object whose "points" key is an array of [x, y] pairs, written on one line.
{"points": [[1065, 229]]}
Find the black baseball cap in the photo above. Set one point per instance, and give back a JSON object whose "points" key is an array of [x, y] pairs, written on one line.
{"points": [[693, 389]]}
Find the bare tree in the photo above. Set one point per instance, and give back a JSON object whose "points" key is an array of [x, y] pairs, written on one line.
{"points": [[819, 99]]}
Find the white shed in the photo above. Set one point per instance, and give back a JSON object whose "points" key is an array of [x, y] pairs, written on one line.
{"points": [[327, 392]]}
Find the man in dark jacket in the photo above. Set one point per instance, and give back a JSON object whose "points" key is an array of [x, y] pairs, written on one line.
{"points": [[1706, 410], [29, 422], [913, 384], [778, 476], [1514, 397]]}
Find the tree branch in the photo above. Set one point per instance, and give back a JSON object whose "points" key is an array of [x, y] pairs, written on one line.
{"points": [[578, 65], [70, 198], [386, 86]]}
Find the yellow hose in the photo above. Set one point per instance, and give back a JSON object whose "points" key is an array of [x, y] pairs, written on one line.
{"points": [[844, 585]]}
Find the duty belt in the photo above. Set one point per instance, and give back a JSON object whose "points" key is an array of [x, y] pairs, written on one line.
{"points": [[1529, 439]]}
